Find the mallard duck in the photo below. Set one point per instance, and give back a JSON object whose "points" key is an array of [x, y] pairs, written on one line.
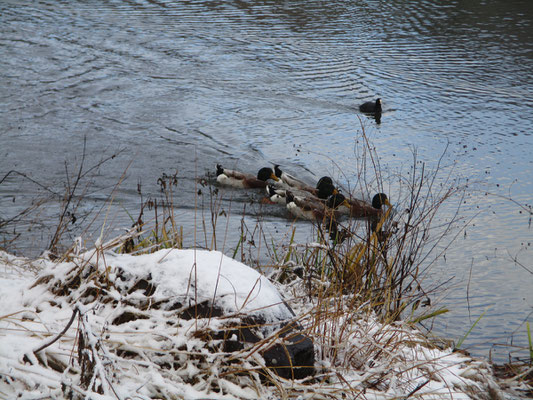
{"points": [[378, 201], [373, 107], [324, 189], [356, 208], [297, 184], [313, 209], [238, 179], [290, 180], [304, 208]]}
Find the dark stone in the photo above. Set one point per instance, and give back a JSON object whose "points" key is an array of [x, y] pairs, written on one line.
{"points": [[232, 345], [201, 310], [293, 359], [291, 355], [127, 316]]}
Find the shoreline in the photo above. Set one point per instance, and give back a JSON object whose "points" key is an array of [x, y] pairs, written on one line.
{"points": [[383, 359]]}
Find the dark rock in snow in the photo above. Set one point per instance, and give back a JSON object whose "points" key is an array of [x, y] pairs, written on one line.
{"points": [[262, 313]]}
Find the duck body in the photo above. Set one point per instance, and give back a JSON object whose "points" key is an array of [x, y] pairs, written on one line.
{"points": [[237, 179], [314, 209], [277, 192], [293, 182], [356, 208], [307, 208], [289, 179], [372, 107], [322, 190]]}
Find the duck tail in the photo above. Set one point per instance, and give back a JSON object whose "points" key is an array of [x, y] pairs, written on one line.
{"points": [[289, 197], [271, 190]]}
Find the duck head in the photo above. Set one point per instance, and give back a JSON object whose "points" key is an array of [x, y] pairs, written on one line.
{"points": [[379, 200], [265, 174], [325, 187], [325, 180], [326, 190], [378, 105]]}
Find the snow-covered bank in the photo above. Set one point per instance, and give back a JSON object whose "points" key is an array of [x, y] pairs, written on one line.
{"points": [[134, 346]]}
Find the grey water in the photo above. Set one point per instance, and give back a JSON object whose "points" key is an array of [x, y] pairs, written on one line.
{"points": [[177, 86]]}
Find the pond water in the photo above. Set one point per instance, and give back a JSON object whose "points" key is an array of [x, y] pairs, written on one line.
{"points": [[181, 85]]}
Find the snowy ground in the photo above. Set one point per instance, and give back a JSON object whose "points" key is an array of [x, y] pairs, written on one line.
{"points": [[150, 354]]}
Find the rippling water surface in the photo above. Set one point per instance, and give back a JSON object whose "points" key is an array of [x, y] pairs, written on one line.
{"points": [[184, 85]]}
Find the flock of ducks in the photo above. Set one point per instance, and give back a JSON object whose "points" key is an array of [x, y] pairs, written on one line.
{"points": [[319, 203]]}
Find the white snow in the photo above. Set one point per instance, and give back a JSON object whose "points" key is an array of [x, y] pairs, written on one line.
{"points": [[171, 359], [205, 275]]}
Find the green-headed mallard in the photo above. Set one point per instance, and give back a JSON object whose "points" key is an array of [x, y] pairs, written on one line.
{"points": [[238, 179], [356, 208], [378, 201]]}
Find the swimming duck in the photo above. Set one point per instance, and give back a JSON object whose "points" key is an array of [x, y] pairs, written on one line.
{"points": [[373, 107], [311, 208], [324, 189], [360, 209], [289, 179], [238, 179], [292, 182], [295, 184], [378, 201]]}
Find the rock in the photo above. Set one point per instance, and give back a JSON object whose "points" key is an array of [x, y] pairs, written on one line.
{"points": [[292, 356], [184, 284]]}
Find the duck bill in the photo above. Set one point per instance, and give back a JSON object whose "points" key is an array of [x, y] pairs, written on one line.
{"points": [[272, 176]]}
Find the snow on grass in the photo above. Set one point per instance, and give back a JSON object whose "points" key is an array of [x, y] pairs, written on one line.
{"points": [[204, 275], [152, 354]]}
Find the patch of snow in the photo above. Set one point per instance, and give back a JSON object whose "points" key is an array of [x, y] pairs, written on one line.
{"points": [[169, 358], [203, 275]]}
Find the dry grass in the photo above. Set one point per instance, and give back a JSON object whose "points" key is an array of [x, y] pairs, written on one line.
{"points": [[118, 337]]}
